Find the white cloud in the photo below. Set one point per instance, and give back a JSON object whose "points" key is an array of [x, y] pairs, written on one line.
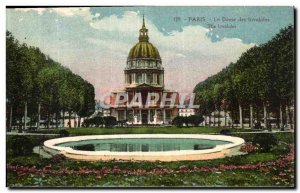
{"points": [[127, 24], [40, 11], [83, 12]]}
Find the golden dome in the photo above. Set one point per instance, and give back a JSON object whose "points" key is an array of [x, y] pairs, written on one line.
{"points": [[143, 49]]}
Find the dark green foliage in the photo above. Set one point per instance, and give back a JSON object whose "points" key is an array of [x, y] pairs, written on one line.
{"points": [[195, 120], [178, 121], [225, 132], [64, 133], [95, 121], [20, 145], [110, 121], [265, 141]]}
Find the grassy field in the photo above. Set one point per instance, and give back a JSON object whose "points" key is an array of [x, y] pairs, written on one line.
{"points": [[257, 169], [142, 130]]}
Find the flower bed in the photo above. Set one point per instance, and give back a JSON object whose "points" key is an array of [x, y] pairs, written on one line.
{"points": [[283, 172]]}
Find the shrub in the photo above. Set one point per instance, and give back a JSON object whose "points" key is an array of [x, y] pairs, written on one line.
{"points": [[97, 121], [110, 121], [21, 145], [195, 120], [265, 141], [64, 133], [225, 132], [178, 121]]}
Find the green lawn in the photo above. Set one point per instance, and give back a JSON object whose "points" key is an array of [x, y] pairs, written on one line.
{"points": [[142, 130]]}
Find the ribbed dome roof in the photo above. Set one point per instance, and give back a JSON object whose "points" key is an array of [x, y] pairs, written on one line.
{"points": [[144, 49]]}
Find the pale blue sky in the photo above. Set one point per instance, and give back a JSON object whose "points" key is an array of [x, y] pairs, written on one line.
{"points": [[94, 42]]}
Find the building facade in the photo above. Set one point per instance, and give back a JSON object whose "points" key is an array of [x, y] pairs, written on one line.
{"points": [[186, 112], [146, 101]]}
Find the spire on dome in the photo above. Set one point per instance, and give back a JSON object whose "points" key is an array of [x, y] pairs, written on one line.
{"points": [[143, 22], [144, 32]]}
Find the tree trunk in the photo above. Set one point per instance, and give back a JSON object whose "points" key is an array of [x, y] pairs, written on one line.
{"points": [[52, 121], [48, 119], [39, 116], [63, 118], [257, 114], [280, 116], [241, 116], [214, 119], [209, 120], [10, 117], [69, 123], [251, 117], [78, 124], [219, 118], [25, 116], [56, 120], [225, 118], [289, 117], [265, 116]]}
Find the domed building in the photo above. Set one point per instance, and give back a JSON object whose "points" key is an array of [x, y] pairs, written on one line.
{"points": [[144, 91]]}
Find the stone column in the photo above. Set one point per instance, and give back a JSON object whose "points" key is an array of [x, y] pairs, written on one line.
{"points": [[153, 78], [143, 78], [132, 78], [125, 114], [117, 115]]}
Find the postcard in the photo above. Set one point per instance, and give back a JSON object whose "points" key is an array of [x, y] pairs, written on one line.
{"points": [[150, 97]]}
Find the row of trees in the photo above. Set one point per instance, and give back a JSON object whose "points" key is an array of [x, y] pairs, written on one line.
{"points": [[40, 88], [260, 85]]}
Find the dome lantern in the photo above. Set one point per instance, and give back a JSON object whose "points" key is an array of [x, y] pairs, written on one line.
{"points": [[143, 33]]}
